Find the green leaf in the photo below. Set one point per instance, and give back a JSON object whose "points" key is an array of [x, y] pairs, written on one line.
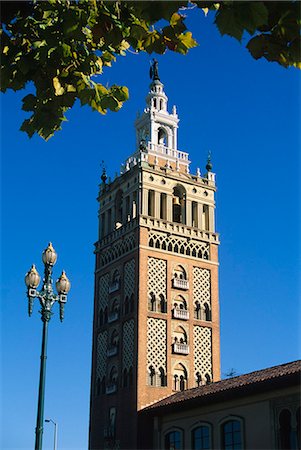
{"points": [[29, 102], [227, 23]]}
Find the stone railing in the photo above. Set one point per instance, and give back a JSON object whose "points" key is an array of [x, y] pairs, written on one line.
{"points": [[179, 283], [160, 149], [182, 349], [114, 286], [116, 234], [180, 314], [113, 316], [179, 228], [112, 351], [111, 388]]}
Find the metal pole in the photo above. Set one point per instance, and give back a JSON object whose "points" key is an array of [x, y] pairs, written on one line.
{"points": [[55, 435], [40, 415]]}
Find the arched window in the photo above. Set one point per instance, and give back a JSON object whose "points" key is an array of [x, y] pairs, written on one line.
{"points": [[173, 440], [151, 376], [198, 379], [162, 137], [152, 302], [162, 304], [163, 206], [118, 208], [163, 380], [179, 204], [114, 339], [180, 377], [207, 312], [197, 310], [208, 378], [201, 438], [232, 435]]}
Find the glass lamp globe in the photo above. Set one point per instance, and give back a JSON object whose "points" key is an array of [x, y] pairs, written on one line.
{"points": [[63, 284], [32, 278], [49, 255]]}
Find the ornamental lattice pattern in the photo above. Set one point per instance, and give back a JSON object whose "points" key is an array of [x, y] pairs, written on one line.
{"points": [[202, 286], [156, 343], [103, 291], [101, 364], [202, 341], [129, 278], [120, 248], [157, 276], [182, 246], [128, 345]]}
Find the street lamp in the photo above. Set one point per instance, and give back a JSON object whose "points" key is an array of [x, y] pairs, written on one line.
{"points": [[55, 432], [47, 298]]}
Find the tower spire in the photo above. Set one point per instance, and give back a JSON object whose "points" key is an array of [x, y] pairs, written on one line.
{"points": [[153, 71]]}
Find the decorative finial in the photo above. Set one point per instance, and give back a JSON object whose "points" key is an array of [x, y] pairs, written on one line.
{"points": [[153, 71], [209, 164], [142, 145], [104, 173]]}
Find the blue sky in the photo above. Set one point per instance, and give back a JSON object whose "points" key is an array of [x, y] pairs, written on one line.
{"points": [[247, 113]]}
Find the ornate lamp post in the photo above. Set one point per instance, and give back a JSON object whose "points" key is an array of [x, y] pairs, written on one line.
{"points": [[47, 298]]}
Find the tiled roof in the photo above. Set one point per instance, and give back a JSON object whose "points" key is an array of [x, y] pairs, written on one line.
{"points": [[249, 382]]}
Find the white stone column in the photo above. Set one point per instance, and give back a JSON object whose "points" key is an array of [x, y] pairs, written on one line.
{"points": [[157, 205], [169, 207], [144, 202], [200, 216], [189, 213], [211, 219]]}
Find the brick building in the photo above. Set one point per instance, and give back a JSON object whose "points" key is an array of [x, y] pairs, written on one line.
{"points": [[156, 308]]}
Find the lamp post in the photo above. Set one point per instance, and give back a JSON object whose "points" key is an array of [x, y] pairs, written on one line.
{"points": [[47, 298], [55, 432]]}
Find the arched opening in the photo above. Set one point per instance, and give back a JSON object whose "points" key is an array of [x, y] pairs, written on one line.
{"points": [[179, 204], [208, 378], [151, 376], [180, 377], [197, 310], [162, 304], [207, 312], [151, 203], [152, 302], [198, 379], [163, 378], [162, 137], [163, 206], [118, 209]]}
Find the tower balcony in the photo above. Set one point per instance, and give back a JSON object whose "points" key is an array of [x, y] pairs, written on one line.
{"points": [[113, 316], [180, 283], [167, 152], [180, 314], [181, 349], [112, 351], [111, 388], [114, 286]]}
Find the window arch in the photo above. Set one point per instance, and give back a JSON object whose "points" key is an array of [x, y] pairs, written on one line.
{"points": [[180, 335], [118, 208], [173, 440], [180, 378], [162, 304], [163, 378], [152, 302], [180, 302], [162, 137], [231, 435], [151, 376], [197, 310], [114, 338], [201, 437], [179, 204]]}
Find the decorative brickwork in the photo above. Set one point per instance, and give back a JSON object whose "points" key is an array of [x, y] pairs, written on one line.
{"points": [[202, 293], [103, 290], [156, 344], [118, 249], [129, 278], [128, 345], [202, 341], [175, 244], [157, 276], [101, 365]]}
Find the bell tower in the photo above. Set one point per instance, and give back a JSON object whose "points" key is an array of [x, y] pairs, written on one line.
{"points": [[156, 308]]}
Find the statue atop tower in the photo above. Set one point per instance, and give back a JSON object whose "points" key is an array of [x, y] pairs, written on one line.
{"points": [[153, 71]]}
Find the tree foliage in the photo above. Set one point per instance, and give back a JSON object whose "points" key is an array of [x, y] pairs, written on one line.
{"points": [[62, 46]]}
